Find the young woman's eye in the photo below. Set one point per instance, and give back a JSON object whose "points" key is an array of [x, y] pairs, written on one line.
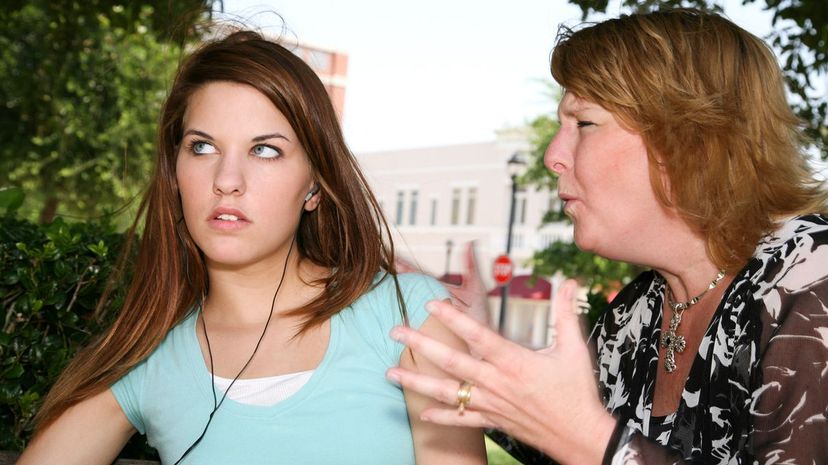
{"points": [[266, 151], [583, 124], [199, 147]]}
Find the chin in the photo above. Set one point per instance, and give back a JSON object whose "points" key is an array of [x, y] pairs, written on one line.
{"points": [[228, 257], [582, 241]]}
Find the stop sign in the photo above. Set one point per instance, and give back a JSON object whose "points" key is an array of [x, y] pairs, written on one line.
{"points": [[502, 270]]}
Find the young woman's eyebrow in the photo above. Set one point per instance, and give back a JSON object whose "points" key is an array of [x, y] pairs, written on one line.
{"points": [[196, 132], [263, 137], [275, 135]]}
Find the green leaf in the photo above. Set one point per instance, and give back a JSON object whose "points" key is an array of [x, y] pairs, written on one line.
{"points": [[11, 198], [14, 372]]}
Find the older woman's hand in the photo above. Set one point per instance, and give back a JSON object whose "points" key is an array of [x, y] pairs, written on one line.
{"points": [[470, 295], [546, 398]]}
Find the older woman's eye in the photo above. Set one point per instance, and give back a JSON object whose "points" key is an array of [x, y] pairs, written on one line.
{"points": [[583, 124], [266, 151]]}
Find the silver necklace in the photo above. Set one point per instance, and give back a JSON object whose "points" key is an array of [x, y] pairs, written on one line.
{"points": [[672, 341]]}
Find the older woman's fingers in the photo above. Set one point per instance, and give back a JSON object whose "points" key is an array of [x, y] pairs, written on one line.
{"points": [[458, 364], [451, 417], [443, 390], [481, 340], [567, 316], [473, 291]]}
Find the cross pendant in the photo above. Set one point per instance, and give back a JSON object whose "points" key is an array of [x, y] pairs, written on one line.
{"points": [[673, 342]]}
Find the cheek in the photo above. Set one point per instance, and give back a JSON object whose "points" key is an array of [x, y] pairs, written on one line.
{"points": [[617, 180], [628, 161], [187, 192]]}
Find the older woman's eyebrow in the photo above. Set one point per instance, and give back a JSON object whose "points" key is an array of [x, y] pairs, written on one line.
{"points": [[575, 105], [579, 104]]}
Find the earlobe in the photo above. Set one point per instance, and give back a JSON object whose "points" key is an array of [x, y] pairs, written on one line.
{"points": [[313, 201], [313, 190]]}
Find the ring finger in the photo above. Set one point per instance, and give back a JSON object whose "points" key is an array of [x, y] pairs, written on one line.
{"points": [[456, 363], [443, 390]]}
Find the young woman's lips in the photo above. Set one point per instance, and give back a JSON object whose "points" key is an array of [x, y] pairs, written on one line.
{"points": [[227, 219]]}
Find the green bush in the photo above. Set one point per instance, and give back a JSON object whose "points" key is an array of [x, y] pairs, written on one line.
{"points": [[51, 278], [50, 281]]}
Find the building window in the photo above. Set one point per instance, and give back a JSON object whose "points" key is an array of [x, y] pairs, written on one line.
{"points": [[470, 205], [455, 206], [433, 212], [520, 210], [398, 218], [412, 209]]}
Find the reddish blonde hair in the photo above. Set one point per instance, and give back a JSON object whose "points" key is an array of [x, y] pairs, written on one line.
{"points": [[708, 99]]}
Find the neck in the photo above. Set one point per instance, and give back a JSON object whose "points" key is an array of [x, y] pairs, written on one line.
{"points": [[689, 283], [686, 266], [243, 296]]}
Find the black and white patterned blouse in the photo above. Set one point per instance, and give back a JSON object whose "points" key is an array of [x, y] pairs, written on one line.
{"points": [[757, 391]]}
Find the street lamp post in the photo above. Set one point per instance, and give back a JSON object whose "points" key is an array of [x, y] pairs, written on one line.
{"points": [[514, 166], [449, 244]]}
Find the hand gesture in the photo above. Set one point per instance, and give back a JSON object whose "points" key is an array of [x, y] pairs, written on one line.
{"points": [[470, 296], [546, 398]]}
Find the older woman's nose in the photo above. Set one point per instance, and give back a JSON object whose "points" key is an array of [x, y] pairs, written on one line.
{"points": [[558, 155]]}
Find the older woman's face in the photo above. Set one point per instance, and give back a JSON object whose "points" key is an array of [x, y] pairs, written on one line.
{"points": [[603, 180]]}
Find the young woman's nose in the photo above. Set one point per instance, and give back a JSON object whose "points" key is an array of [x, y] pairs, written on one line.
{"points": [[229, 176]]}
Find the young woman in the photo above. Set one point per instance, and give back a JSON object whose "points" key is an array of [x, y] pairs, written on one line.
{"points": [[254, 329]]}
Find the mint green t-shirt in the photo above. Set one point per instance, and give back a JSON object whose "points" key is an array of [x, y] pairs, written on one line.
{"points": [[347, 413]]}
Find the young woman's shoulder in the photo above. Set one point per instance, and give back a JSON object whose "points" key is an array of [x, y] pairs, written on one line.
{"points": [[178, 349], [381, 303]]}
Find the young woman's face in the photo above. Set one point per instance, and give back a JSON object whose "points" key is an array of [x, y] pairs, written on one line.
{"points": [[604, 180], [242, 176]]}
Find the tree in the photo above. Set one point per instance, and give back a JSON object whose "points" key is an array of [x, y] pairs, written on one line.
{"points": [[799, 36], [82, 84]]}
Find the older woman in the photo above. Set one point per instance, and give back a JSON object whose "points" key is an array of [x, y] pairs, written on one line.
{"points": [[677, 151]]}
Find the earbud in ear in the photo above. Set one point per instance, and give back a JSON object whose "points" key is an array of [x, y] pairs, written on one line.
{"points": [[312, 192]]}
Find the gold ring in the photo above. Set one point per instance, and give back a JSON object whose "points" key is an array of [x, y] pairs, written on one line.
{"points": [[464, 396]]}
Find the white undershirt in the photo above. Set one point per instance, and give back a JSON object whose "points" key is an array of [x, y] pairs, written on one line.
{"points": [[264, 391]]}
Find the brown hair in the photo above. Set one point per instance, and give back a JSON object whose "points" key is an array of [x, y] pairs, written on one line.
{"points": [[709, 102], [345, 233]]}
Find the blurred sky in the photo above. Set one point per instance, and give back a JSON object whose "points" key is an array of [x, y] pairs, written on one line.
{"points": [[438, 72]]}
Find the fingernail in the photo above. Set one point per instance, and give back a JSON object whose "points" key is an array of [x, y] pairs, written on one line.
{"points": [[425, 418], [432, 307], [393, 376], [398, 334]]}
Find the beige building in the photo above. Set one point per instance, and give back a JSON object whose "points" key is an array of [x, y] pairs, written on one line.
{"points": [[330, 65], [438, 199]]}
